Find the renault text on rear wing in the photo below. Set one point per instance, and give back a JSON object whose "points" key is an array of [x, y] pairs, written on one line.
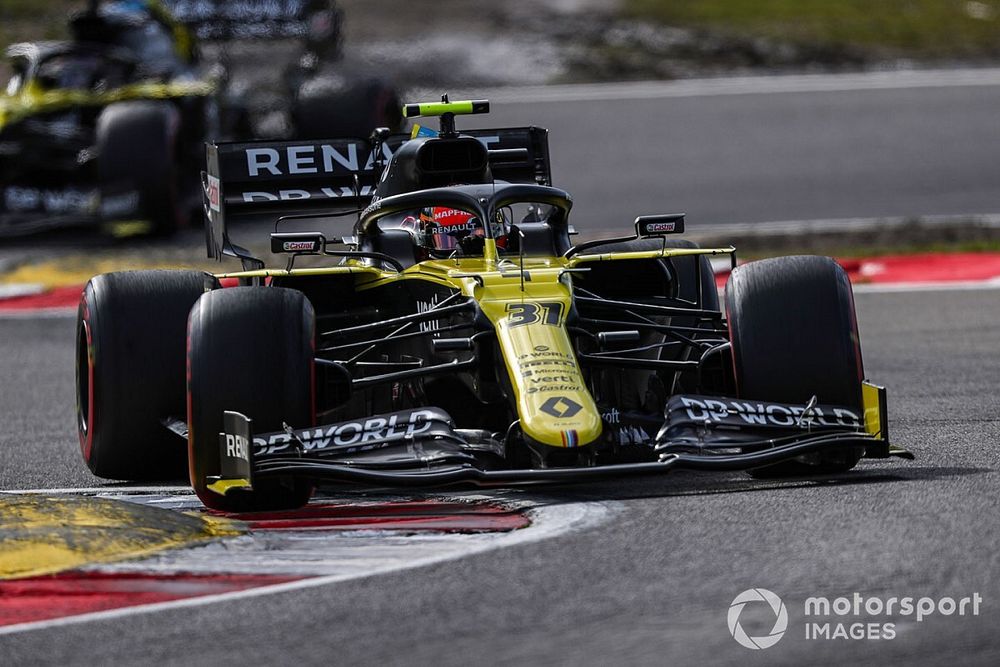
{"points": [[270, 179]]}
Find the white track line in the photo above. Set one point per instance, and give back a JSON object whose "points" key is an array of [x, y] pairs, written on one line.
{"points": [[547, 522], [837, 225], [40, 313], [749, 85], [109, 490], [953, 285], [15, 290]]}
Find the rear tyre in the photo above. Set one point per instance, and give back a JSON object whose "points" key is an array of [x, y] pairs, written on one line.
{"points": [[137, 144], [329, 108], [795, 335], [130, 371], [250, 350]]}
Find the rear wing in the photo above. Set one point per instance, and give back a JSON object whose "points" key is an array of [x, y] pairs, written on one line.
{"points": [[225, 20], [265, 180]]}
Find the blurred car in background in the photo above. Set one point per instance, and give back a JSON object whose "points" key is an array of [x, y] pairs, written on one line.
{"points": [[293, 88], [109, 126]]}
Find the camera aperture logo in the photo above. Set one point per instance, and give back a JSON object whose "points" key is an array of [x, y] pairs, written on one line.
{"points": [[757, 595], [853, 617]]}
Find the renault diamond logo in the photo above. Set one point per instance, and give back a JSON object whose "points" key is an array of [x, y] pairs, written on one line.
{"points": [[561, 407]]}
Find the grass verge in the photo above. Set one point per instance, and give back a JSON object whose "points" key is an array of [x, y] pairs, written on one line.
{"points": [[33, 20], [866, 252], [887, 28]]}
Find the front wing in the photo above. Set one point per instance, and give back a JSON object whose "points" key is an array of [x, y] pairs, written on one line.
{"points": [[423, 448]]}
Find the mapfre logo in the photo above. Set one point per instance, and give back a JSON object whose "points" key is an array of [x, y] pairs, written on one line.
{"points": [[751, 596]]}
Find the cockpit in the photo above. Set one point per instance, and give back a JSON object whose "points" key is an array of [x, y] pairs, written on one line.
{"points": [[453, 225], [80, 71], [446, 231]]}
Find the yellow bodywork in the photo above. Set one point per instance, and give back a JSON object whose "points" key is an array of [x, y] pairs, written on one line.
{"points": [[223, 486], [873, 402], [32, 100], [528, 310]]}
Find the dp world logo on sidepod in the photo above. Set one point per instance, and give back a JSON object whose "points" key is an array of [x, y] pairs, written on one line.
{"points": [[780, 618]]}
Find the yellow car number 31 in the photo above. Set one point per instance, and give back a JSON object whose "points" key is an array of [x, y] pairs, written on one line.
{"points": [[549, 313]]}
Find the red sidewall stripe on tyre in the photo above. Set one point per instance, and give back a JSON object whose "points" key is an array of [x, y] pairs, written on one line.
{"points": [[87, 438]]}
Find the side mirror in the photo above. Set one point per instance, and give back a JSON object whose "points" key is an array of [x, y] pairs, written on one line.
{"points": [[659, 225], [646, 226]]}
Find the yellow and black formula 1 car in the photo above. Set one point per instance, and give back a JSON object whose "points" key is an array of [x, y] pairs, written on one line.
{"points": [[456, 335], [104, 127], [110, 125]]}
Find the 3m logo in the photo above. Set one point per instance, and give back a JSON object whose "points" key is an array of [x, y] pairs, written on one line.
{"points": [[560, 407]]}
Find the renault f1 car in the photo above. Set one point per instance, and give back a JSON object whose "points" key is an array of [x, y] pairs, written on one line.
{"points": [[110, 125], [456, 335], [103, 127]]}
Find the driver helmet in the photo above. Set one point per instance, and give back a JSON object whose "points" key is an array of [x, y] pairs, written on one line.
{"points": [[447, 227]]}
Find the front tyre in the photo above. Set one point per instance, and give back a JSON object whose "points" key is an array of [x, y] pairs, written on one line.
{"points": [[130, 371], [795, 335], [250, 350]]}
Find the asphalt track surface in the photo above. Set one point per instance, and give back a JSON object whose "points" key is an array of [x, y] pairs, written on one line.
{"points": [[653, 585], [776, 148], [731, 151]]}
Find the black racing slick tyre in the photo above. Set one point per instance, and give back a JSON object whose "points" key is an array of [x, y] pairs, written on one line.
{"points": [[130, 338], [137, 151], [795, 335], [250, 350], [329, 108]]}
